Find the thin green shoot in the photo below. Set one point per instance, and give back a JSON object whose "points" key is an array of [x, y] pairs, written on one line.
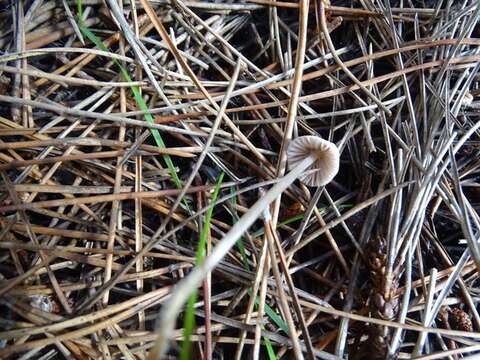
{"points": [[189, 319], [275, 318], [136, 94]]}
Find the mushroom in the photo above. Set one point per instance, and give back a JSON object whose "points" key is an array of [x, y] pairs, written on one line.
{"points": [[327, 159], [314, 161]]}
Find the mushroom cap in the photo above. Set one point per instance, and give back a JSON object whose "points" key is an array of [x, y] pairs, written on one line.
{"points": [[327, 162]]}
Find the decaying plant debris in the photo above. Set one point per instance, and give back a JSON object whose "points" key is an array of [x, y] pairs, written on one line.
{"points": [[118, 119]]}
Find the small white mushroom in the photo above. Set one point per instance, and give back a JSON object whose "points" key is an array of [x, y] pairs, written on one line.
{"points": [[314, 160], [327, 159]]}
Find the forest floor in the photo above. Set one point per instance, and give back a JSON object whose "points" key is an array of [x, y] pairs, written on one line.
{"points": [[150, 208]]}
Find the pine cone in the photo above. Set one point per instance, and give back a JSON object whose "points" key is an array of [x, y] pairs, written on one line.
{"points": [[459, 320], [382, 301]]}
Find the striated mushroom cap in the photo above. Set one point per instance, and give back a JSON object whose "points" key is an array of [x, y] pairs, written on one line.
{"points": [[327, 162]]}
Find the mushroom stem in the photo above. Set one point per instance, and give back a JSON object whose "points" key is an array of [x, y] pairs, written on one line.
{"points": [[187, 285]]}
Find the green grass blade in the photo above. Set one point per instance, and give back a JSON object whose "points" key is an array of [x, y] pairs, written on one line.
{"points": [[208, 218], [270, 351], [272, 314], [189, 319], [188, 325], [269, 311], [136, 94], [261, 232]]}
